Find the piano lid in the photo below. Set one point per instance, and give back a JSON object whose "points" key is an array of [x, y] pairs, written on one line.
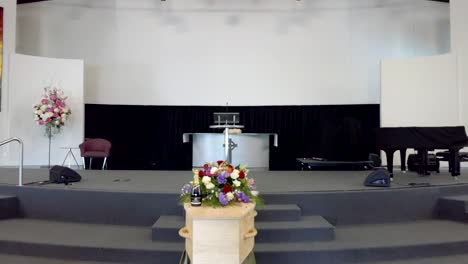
{"points": [[421, 137]]}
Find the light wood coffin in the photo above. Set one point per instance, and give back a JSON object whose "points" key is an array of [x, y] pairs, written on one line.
{"points": [[219, 235]]}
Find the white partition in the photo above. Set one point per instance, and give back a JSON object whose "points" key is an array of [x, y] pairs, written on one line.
{"points": [[419, 92], [29, 75], [459, 22], [9, 44]]}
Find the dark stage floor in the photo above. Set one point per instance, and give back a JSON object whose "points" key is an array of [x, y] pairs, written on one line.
{"points": [[267, 181]]}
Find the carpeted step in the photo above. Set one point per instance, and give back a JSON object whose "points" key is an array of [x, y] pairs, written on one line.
{"points": [[279, 212], [17, 259], [453, 208], [9, 207], [166, 228], [89, 242], [308, 228], [454, 259], [386, 243], [373, 243]]}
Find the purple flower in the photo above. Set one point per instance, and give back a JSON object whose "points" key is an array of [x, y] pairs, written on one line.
{"points": [[221, 179], [242, 197], [251, 184], [223, 200], [186, 189]]}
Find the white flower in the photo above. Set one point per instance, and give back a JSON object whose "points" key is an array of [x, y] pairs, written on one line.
{"points": [[254, 193], [64, 116], [36, 118], [230, 196], [213, 170], [50, 114], [56, 110], [39, 112], [43, 108], [206, 180], [236, 183], [235, 174], [210, 186], [44, 117], [57, 122]]}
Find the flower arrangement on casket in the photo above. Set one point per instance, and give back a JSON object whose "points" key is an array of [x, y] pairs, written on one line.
{"points": [[52, 111], [222, 184]]}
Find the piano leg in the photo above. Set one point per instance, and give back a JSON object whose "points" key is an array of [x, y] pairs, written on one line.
{"points": [[389, 153], [423, 155], [455, 161], [403, 159]]}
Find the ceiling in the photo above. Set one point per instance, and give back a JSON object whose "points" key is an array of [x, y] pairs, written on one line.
{"points": [[28, 1], [32, 1]]}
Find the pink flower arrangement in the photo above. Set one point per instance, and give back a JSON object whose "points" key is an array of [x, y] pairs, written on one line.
{"points": [[52, 111]]}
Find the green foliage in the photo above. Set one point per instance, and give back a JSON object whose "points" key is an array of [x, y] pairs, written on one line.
{"points": [[211, 196]]}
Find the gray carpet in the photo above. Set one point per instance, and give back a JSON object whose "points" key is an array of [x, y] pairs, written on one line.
{"points": [[267, 181], [15, 259], [78, 234], [381, 236], [454, 259]]}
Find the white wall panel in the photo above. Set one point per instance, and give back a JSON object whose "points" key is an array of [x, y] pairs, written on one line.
{"points": [[420, 92], [9, 40], [29, 75]]}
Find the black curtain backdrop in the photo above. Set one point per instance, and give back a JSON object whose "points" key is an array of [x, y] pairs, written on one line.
{"points": [[150, 137]]}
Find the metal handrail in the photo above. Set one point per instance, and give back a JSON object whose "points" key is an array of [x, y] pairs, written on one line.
{"points": [[20, 175]]}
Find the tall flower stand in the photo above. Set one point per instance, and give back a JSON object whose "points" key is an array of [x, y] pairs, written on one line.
{"points": [[219, 235], [49, 135]]}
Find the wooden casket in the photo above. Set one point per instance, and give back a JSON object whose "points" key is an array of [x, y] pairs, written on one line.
{"points": [[219, 235]]}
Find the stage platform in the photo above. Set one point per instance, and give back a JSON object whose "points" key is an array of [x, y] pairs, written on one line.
{"points": [[267, 181], [310, 217]]}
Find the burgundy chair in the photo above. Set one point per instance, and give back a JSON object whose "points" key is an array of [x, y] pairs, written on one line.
{"points": [[95, 148]]}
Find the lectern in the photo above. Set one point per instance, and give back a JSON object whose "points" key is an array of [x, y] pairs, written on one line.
{"points": [[251, 148], [227, 121]]}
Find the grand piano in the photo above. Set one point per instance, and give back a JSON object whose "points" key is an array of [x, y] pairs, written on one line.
{"points": [[423, 140]]}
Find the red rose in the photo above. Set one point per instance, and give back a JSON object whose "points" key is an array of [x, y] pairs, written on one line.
{"points": [[205, 167], [241, 175], [230, 169], [220, 162], [201, 173], [227, 189]]}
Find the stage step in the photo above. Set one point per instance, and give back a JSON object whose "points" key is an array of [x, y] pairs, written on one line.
{"points": [[308, 228], [279, 212], [453, 208], [91, 242], [454, 259], [373, 243], [403, 243], [9, 207], [16, 259]]}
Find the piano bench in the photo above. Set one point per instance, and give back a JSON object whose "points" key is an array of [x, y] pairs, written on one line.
{"points": [[444, 156]]}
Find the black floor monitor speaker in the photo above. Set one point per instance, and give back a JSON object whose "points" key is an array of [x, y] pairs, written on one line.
{"points": [[378, 178], [59, 174]]}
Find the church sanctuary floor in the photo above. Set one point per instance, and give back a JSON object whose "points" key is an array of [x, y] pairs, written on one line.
{"points": [[267, 181]]}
